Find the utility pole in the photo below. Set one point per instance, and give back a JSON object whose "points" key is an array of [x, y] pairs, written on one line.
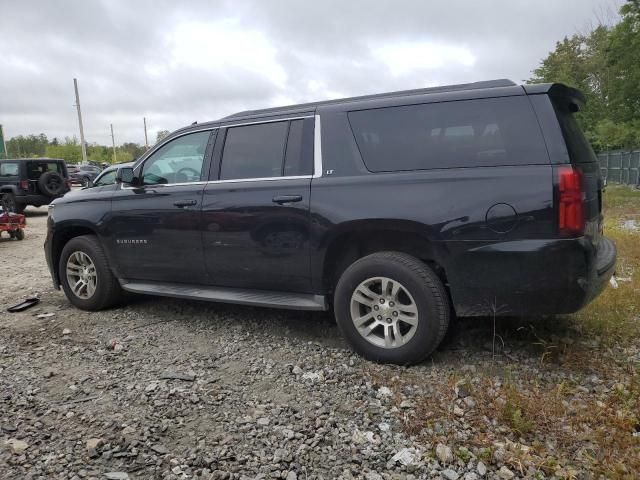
{"points": [[84, 146], [115, 159], [3, 147], [146, 140]]}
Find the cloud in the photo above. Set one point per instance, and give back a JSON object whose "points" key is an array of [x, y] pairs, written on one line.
{"points": [[176, 62]]}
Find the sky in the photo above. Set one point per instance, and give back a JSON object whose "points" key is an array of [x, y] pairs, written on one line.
{"points": [[179, 62]]}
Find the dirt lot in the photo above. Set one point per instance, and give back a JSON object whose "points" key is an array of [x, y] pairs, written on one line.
{"points": [[163, 388]]}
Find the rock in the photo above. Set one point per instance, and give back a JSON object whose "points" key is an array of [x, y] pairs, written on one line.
{"points": [[471, 476], [45, 315], [444, 453], [404, 457], [159, 449], [93, 444], [313, 376], [505, 474], [482, 469], [469, 402], [185, 377], [117, 476], [16, 446], [263, 421], [118, 347], [128, 430], [296, 370], [450, 474], [383, 392], [462, 389], [9, 428], [151, 387], [457, 411], [50, 372], [66, 331], [407, 404], [292, 476], [372, 476]]}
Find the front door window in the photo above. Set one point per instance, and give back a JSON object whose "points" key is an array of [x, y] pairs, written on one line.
{"points": [[179, 161]]}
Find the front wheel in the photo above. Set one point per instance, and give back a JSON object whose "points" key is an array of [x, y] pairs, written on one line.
{"points": [[392, 308], [85, 275]]}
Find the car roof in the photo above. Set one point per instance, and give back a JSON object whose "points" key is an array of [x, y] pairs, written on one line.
{"points": [[445, 92], [47, 159]]}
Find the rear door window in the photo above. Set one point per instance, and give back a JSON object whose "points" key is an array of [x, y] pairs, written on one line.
{"points": [[467, 133], [9, 169], [254, 151]]}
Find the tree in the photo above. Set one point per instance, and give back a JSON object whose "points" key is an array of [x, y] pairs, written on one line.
{"points": [[161, 134], [27, 146], [605, 65]]}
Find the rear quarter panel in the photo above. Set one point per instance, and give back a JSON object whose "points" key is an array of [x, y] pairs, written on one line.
{"points": [[448, 208]]}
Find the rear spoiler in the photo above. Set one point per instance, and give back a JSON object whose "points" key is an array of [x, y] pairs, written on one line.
{"points": [[563, 97]]}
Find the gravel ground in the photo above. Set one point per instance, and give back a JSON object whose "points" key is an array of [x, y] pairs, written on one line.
{"points": [[163, 388]]}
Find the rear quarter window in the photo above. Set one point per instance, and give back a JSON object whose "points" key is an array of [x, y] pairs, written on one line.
{"points": [[466, 133]]}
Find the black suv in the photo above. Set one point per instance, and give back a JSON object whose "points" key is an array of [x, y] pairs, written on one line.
{"points": [[32, 181], [394, 210]]}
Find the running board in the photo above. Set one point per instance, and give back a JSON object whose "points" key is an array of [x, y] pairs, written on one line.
{"points": [[258, 298]]}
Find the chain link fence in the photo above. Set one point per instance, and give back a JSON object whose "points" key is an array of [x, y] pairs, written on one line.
{"points": [[620, 166]]}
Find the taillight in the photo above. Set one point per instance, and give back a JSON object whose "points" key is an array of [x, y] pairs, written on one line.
{"points": [[24, 184], [570, 202]]}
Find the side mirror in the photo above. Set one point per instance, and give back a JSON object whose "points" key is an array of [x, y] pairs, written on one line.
{"points": [[125, 175]]}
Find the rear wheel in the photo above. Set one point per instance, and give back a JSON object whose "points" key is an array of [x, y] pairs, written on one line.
{"points": [[85, 275], [392, 308]]}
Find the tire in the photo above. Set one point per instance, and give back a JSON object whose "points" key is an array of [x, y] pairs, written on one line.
{"points": [[106, 289], [85, 182], [10, 204], [390, 339], [18, 234], [51, 184]]}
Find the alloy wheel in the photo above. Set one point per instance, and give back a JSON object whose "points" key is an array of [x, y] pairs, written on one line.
{"points": [[81, 275], [384, 312]]}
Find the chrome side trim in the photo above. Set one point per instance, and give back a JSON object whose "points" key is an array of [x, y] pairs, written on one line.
{"points": [[263, 179], [233, 180], [164, 185], [317, 148]]}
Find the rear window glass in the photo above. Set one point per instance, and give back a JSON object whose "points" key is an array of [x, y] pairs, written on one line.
{"points": [[578, 146], [8, 169], [469, 133], [35, 169]]}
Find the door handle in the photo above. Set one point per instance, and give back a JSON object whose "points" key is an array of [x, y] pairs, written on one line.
{"points": [[185, 203], [281, 199]]}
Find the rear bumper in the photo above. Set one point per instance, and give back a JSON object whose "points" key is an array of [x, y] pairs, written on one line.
{"points": [[528, 277]]}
